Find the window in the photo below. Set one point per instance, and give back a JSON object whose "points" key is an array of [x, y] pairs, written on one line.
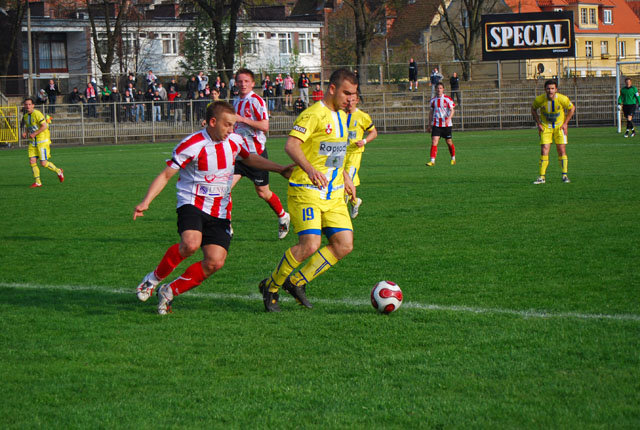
{"points": [[49, 52], [464, 18], [622, 49], [637, 48], [583, 16], [588, 49], [251, 43], [169, 43], [592, 16], [306, 43], [285, 45], [557, 9], [604, 47], [607, 18]]}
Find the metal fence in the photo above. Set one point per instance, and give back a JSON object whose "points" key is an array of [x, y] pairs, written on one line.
{"points": [[501, 108]]}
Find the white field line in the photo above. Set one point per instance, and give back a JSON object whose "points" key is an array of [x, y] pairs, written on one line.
{"points": [[347, 302]]}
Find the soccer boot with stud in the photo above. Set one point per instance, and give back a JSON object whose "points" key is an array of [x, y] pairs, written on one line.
{"points": [[298, 293], [146, 287], [269, 299], [430, 164], [566, 179], [355, 207], [453, 162], [626, 133], [61, 175], [540, 180], [283, 225], [35, 185], [165, 299]]}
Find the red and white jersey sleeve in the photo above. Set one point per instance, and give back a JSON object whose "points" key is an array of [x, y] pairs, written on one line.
{"points": [[253, 107], [206, 171], [442, 107]]}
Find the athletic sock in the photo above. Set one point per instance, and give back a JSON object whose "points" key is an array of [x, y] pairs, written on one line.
{"points": [[320, 262], [169, 262], [564, 164], [36, 172], [276, 205], [452, 151], [52, 167], [192, 277], [287, 265], [434, 152], [544, 163]]}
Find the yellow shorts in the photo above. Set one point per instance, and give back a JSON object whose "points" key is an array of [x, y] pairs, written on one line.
{"points": [[352, 166], [312, 215], [42, 151], [553, 135]]}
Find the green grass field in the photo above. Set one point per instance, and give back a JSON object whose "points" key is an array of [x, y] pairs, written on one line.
{"points": [[522, 302]]}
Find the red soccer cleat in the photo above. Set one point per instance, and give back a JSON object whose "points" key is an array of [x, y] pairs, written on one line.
{"points": [[61, 175], [35, 185]]}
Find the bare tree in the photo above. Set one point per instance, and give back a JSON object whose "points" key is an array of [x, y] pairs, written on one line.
{"points": [[460, 23], [224, 19], [17, 9]]}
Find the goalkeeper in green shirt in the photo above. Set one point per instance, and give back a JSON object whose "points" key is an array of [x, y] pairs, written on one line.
{"points": [[629, 100]]}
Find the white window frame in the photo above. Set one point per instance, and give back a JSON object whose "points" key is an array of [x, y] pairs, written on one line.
{"points": [[607, 16], [583, 16], [622, 49], [604, 47], [169, 43], [593, 16], [285, 43], [252, 43], [588, 49], [305, 43]]}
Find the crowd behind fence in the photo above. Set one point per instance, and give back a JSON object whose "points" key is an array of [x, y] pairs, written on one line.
{"points": [[90, 123]]}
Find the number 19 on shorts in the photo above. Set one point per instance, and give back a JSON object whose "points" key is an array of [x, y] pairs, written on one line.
{"points": [[307, 214]]}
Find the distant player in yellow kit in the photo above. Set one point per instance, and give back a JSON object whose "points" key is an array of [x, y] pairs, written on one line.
{"points": [[37, 129], [358, 122], [552, 125]]}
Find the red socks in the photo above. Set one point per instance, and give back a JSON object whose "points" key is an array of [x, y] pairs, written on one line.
{"points": [[192, 277], [434, 151], [275, 204], [452, 150], [169, 262]]}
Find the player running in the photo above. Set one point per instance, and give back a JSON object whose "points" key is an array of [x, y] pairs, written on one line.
{"points": [[358, 122], [317, 144], [37, 129], [252, 122], [628, 102], [206, 161], [440, 124], [552, 126]]}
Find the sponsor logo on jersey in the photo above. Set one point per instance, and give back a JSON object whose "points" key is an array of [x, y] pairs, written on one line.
{"points": [[300, 129], [328, 129]]}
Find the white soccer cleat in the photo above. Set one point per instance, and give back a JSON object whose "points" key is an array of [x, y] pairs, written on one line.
{"points": [[355, 207], [283, 225], [146, 287], [566, 179], [165, 299], [540, 180]]}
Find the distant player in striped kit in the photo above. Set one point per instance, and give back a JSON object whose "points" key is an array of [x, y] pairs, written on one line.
{"points": [[440, 125], [252, 122], [206, 161]]}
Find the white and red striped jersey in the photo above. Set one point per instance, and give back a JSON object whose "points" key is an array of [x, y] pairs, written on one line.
{"points": [[441, 108], [206, 171], [253, 107]]}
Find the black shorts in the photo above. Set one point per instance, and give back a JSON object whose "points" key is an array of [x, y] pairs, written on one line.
{"points": [[441, 132], [258, 176], [288, 91], [629, 110], [215, 231]]}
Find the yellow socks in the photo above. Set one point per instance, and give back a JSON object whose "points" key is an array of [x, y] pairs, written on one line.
{"points": [[319, 263], [564, 164], [544, 163], [36, 172], [52, 167], [287, 265]]}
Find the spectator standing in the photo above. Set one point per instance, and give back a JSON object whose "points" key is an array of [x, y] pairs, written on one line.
{"points": [[317, 94], [172, 88], [223, 91], [52, 91], [434, 79], [202, 81], [278, 81], [192, 88], [303, 85], [218, 83], [178, 107], [105, 94], [91, 96], [265, 84], [454, 83], [148, 98], [115, 99], [140, 106], [157, 106], [128, 104], [151, 80], [269, 95], [163, 97], [288, 90], [413, 74]]}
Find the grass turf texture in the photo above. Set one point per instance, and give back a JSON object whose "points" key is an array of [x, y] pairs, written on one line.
{"points": [[481, 255]]}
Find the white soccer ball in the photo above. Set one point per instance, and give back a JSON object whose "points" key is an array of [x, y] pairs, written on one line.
{"points": [[386, 297]]}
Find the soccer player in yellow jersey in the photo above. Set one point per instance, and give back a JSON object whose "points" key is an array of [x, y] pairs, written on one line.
{"points": [[317, 144], [552, 125], [358, 122], [37, 129]]}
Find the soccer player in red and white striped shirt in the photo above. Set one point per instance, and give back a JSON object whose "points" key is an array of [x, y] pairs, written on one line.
{"points": [[252, 122], [440, 125], [206, 162]]}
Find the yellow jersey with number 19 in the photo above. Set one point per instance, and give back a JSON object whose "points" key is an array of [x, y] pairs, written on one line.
{"points": [[552, 111], [32, 122], [323, 133]]}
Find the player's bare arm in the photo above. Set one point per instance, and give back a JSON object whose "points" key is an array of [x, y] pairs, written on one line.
{"points": [[349, 188], [429, 125], [259, 162], [294, 150], [565, 124], [536, 118], [372, 135], [155, 188], [262, 125]]}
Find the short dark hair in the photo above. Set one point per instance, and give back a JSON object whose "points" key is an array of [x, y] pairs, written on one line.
{"points": [[341, 75], [245, 71], [551, 82], [215, 109], [440, 84], [29, 98]]}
